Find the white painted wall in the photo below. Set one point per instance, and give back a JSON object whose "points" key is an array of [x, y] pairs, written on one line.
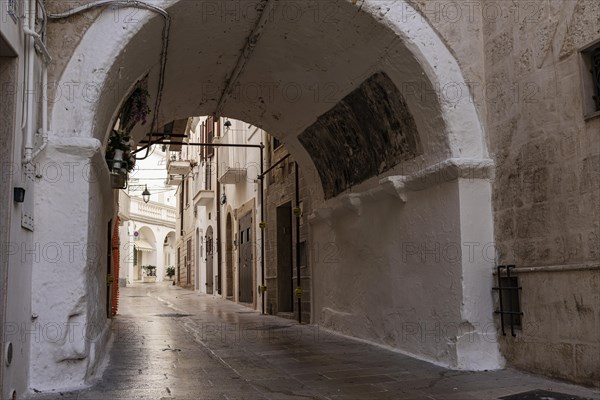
{"points": [[22, 252], [413, 276]]}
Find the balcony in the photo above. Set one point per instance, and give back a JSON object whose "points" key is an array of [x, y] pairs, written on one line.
{"points": [[232, 160], [134, 208], [178, 167], [174, 180], [204, 197]]}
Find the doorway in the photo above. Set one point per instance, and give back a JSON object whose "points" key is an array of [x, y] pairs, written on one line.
{"points": [[197, 260], [188, 263], [229, 256], [109, 271], [209, 261], [246, 264], [285, 284], [8, 74]]}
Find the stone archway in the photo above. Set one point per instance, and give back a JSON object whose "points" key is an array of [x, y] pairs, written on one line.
{"points": [[431, 192]]}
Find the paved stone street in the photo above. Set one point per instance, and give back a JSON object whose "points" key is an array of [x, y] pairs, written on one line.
{"points": [[171, 343]]}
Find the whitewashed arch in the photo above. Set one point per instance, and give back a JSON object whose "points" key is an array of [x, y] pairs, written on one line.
{"points": [[374, 35]]}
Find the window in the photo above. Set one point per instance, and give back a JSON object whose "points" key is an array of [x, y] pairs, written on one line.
{"points": [[276, 143], [210, 134], [184, 189], [189, 261], [178, 264], [168, 128], [510, 299], [12, 9], [208, 176], [209, 245], [302, 251], [595, 61], [591, 78]]}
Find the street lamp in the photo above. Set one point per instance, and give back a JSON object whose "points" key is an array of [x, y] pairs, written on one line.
{"points": [[146, 195]]}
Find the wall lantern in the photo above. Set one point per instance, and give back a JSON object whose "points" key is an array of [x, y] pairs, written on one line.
{"points": [[146, 195], [19, 194], [223, 199]]}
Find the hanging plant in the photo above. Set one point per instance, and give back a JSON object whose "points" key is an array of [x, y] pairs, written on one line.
{"points": [[135, 110]]}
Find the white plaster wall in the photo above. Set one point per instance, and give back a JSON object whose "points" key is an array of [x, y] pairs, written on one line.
{"points": [[402, 275]]}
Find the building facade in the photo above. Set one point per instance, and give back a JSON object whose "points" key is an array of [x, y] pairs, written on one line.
{"points": [[287, 242], [437, 141]]}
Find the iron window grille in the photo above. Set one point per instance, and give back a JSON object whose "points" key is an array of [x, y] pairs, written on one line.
{"points": [[209, 246], [508, 298], [595, 61]]}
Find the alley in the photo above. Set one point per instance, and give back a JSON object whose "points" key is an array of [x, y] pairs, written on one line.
{"points": [[171, 343]]}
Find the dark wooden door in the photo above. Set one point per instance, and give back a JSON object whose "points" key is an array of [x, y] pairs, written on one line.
{"points": [[285, 285], [246, 260], [209, 261]]}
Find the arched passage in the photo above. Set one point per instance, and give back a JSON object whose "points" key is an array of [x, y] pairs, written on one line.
{"points": [[371, 92]]}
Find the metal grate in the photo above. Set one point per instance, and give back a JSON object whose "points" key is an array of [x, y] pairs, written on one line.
{"points": [[173, 315], [542, 395], [508, 298]]}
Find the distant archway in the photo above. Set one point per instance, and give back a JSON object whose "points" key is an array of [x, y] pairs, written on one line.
{"points": [[145, 246]]}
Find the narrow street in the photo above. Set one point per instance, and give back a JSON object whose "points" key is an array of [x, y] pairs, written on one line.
{"points": [[171, 343]]}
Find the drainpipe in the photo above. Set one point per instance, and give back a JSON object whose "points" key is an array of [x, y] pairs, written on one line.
{"points": [[29, 26], [44, 129], [218, 204], [35, 40], [298, 215], [262, 230], [181, 205]]}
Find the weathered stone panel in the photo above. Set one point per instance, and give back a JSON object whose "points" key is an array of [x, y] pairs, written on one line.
{"points": [[367, 133]]}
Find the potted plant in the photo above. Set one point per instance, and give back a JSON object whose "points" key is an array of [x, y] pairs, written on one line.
{"points": [[150, 273], [119, 157], [170, 272], [119, 151]]}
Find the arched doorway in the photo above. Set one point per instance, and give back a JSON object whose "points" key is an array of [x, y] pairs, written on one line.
{"points": [[360, 109], [209, 246], [169, 252], [229, 256], [146, 253]]}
